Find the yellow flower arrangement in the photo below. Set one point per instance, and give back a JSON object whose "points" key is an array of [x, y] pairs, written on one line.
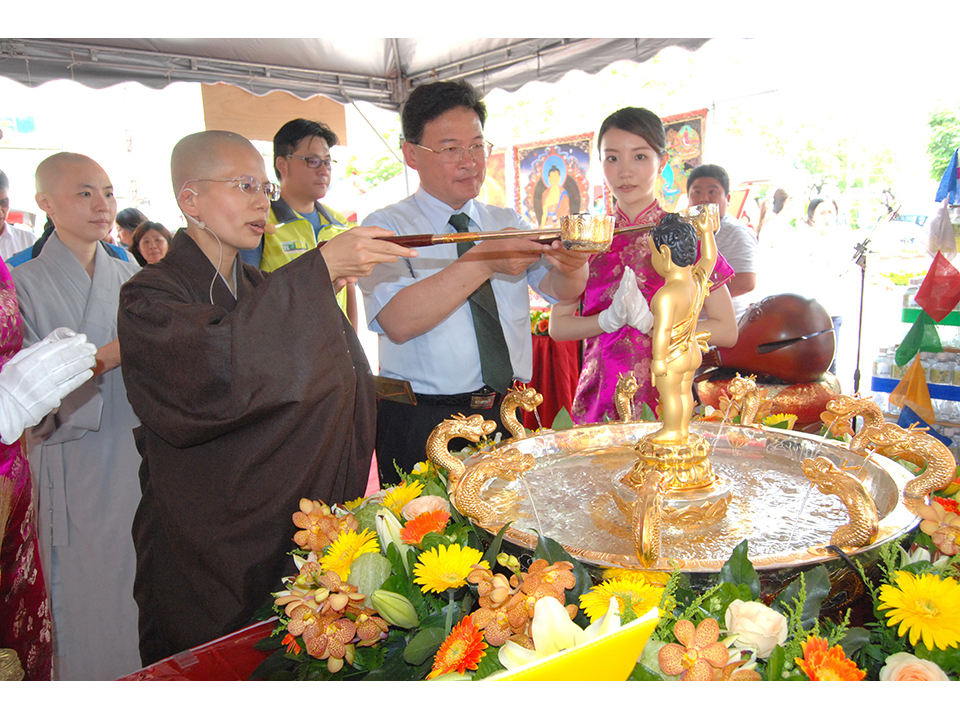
{"points": [[926, 606], [396, 497], [446, 566], [638, 595], [346, 548]]}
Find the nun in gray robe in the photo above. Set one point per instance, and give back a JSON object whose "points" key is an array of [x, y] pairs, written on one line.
{"points": [[84, 463]]}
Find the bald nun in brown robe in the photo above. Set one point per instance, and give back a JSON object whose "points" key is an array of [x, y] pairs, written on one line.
{"points": [[253, 391]]}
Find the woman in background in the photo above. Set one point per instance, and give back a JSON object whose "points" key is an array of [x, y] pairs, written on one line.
{"points": [[128, 220], [151, 240]]}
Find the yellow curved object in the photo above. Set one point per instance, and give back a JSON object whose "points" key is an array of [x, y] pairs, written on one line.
{"points": [[611, 657]]}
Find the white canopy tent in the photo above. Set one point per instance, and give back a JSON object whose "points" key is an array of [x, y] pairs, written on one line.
{"points": [[377, 70]]}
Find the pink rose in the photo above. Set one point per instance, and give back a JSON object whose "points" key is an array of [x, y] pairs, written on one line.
{"points": [[422, 504], [757, 627], [904, 666]]}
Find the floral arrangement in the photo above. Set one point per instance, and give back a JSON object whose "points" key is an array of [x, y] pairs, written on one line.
{"points": [[398, 587], [540, 321]]}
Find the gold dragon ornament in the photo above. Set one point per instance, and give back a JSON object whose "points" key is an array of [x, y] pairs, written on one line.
{"points": [[745, 397], [864, 520], [517, 397], [627, 387], [469, 428], [504, 463], [940, 467]]}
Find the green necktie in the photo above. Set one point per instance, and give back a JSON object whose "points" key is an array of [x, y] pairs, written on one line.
{"points": [[495, 364]]}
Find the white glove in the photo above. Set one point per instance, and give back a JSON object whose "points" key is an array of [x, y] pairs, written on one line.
{"points": [[638, 310], [615, 316], [36, 379], [629, 307]]}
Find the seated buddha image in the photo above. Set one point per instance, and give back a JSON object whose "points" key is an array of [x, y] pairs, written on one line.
{"points": [[554, 198]]}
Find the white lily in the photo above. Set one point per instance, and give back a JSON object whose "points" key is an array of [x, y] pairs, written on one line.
{"points": [[388, 530], [553, 631], [920, 554]]}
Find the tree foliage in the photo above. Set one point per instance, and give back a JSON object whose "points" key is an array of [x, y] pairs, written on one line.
{"points": [[944, 127]]}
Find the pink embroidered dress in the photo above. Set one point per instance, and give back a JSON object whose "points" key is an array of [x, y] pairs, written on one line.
{"points": [[608, 355], [24, 608]]}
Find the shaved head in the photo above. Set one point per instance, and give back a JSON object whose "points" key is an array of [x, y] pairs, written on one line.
{"points": [[59, 167], [205, 155]]}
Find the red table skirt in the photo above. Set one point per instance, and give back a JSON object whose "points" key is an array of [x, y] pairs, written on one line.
{"points": [[232, 657], [556, 370]]}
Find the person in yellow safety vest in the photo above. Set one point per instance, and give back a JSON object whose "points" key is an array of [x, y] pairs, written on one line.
{"points": [[301, 159]]}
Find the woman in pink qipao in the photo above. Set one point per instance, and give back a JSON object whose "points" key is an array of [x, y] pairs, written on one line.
{"points": [[24, 608], [614, 310]]}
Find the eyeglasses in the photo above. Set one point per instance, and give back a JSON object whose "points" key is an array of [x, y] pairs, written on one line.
{"points": [[313, 162], [248, 185], [479, 151]]}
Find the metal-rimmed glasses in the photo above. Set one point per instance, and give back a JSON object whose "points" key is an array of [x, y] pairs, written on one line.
{"points": [[247, 184], [313, 162], [478, 151]]}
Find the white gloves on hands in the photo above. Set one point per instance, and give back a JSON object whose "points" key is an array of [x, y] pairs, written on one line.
{"points": [[37, 378], [629, 307]]}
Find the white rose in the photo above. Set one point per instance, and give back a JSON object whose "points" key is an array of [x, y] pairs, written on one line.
{"points": [[757, 627], [904, 666]]}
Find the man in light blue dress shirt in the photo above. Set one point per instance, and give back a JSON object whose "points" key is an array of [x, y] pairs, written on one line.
{"points": [[419, 306]]}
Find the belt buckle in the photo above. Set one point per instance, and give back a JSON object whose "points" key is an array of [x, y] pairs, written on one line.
{"points": [[482, 401]]}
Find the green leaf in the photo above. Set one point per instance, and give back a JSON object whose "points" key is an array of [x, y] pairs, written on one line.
{"points": [[948, 660], [562, 421], [775, 664], [434, 486], [488, 665], [817, 584], [646, 414], [854, 639], [494, 548], [423, 645], [641, 672], [433, 540], [739, 570], [273, 665]]}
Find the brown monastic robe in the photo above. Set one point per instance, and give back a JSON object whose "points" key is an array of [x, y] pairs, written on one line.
{"points": [[247, 405]]}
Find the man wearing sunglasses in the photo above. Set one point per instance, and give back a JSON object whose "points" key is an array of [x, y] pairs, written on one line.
{"points": [[455, 321], [298, 221]]}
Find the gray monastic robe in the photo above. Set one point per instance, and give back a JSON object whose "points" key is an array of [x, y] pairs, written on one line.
{"points": [[84, 463]]}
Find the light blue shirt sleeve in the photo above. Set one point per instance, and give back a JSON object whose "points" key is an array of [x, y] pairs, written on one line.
{"points": [[446, 360]]}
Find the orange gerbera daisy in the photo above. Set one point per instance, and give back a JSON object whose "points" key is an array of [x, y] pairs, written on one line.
{"points": [[821, 663], [415, 530], [461, 651]]}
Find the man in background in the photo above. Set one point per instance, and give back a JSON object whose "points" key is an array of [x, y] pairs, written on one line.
{"points": [[738, 245], [298, 221]]}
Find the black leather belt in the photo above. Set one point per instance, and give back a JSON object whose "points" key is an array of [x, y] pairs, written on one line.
{"points": [[482, 399]]}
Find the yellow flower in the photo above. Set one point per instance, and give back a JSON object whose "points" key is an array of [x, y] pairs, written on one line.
{"points": [[346, 548], [638, 595], [927, 606], [784, 420], [397, 497], [445, 567], [352, 505]]}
